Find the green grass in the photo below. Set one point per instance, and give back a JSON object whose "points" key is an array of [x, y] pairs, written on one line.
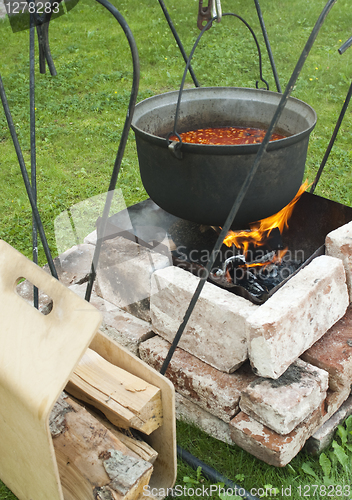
{"points": [[81, 111]]}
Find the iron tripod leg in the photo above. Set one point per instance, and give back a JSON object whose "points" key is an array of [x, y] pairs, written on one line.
{"points": [[332, 140], [178, 40], [342, 49], [268, 47], [31, 185], [44, 49], [33, 148], [122, 145], [26, 179]]}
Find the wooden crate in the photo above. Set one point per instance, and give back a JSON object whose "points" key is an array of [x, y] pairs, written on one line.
{"points": [[38, 354]]}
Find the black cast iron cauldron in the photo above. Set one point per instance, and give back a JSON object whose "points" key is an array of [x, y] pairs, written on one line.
{"points": [[203, 185]]}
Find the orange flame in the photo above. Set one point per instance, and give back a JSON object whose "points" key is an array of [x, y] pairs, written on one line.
{"points": [[260, 231]]}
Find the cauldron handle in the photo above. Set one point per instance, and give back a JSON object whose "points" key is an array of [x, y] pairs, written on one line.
{"points": [[175, 147]]}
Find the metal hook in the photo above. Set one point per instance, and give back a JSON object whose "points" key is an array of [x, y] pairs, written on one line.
{"points": [[204, 14]]}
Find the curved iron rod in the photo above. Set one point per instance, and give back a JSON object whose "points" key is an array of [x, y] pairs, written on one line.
{"points": [[122, 145], [178, 40], [268, 47], [341, 50], [247, 182], [332, 140], [345, 46], [26, 179]]}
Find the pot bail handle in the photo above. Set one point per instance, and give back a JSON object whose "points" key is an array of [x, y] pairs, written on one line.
{"points": [[175, 146]]}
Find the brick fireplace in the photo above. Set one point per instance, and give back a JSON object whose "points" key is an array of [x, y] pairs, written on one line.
{"points": [[256, 375], [265, 377]]}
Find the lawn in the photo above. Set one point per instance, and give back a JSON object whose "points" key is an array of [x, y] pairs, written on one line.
{"points": [[80, 115]]}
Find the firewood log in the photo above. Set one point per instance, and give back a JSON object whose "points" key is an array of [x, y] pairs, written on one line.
{"points": [[135, 443], [93, 464], [138, 446], [126, 400]]}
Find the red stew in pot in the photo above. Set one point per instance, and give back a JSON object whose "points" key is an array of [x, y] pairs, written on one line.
{"points": [[226, 136]]}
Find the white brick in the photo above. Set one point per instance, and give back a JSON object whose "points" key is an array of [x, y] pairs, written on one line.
{"points": [[125, 329], [284, 403], [274, 448], [118, 324], [124, 271], [266, 444], [324, 435], [214, 391], [334, 400], [338, 244], [98, 302], [74, 265], [333, 353], [215, 332], [191, 413], [296, 316], [91, 238]]}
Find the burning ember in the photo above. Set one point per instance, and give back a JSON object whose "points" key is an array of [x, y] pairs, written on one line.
{"points": [[258, 264]]}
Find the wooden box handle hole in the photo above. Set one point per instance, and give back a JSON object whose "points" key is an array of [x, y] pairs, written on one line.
{"points": [[25, 289]]}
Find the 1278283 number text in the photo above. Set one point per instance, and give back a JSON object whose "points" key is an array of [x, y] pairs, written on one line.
{"points": [[32, 7], [333, 490]]}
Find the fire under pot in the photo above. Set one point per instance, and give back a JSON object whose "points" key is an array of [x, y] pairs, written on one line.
{"points": [[191, 244]]}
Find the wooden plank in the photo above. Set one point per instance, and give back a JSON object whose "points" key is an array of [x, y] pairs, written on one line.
{"points": [[126, 400], [37, 355], [93, 463]]}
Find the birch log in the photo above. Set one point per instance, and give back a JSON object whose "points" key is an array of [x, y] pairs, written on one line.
{"points": [[138, 446], [93, 463]]}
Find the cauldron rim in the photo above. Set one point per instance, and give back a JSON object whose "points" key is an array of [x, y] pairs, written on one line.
{"points": [[145, 106]]}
